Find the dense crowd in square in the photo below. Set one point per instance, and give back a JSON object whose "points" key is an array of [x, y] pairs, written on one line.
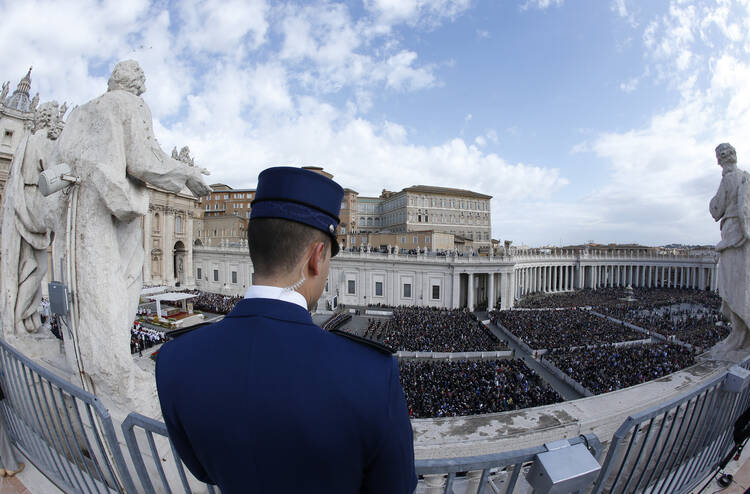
{"points": [[608, 368], [451, 388], [697, 325], [426, 329], [213, 302], [546, 329], [607, 296]]}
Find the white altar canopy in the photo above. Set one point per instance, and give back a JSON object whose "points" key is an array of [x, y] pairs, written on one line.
{"points": [[171, 297]]}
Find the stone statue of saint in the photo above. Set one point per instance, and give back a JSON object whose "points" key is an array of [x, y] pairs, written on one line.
{"points": [[34, 102], [4, 93], [731, 207], [29, 220], [110, 145]]}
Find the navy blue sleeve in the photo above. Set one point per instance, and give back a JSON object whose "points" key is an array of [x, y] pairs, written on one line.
{"points": [[392, 469], [175, 431]]}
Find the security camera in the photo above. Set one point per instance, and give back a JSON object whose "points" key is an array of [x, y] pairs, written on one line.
{"points": [[55, 179]]}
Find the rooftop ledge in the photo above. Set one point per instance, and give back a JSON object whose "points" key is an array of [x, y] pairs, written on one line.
{"points": [[451, 437]]}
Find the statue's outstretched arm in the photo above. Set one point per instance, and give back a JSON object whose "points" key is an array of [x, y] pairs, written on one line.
{"points": [[146, 160]]}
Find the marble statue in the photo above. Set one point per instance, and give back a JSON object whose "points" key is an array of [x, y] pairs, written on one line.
{"points": [[110, 145], [731, 207], [4, 93], [29, 220], [183, 155], [34, 102]]}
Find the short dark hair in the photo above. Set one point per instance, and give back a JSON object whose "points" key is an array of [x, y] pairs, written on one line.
{"points": [[276, 244]]}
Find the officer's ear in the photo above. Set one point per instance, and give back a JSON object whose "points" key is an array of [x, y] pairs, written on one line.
{"points": [[317, 259]]}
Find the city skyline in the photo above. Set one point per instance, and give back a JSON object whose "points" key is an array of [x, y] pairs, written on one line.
{"points": [[584, 120]]}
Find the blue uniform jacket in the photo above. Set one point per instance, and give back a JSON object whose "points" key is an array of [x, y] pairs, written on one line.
{"points": [[265, 401]]}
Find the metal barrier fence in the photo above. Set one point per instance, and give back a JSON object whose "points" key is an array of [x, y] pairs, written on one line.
{"points": [[69, 436], [673, 447], [148, 427], [63, 430], [440, 474]]}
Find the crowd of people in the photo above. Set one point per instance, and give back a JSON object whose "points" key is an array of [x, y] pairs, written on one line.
{"points": [[426, 329], [608, 368], [214, 302], [694, 324], [142, 338], [448, 389], [546, 329], [606, 296]]}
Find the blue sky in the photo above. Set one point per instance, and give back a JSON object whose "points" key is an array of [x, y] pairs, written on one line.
{"points": [[586, 120]]}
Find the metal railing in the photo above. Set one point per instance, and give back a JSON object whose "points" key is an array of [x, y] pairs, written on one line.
{"points": [[147, 428], [62, 429], [69, 436], [498, 471], [672, 447]]}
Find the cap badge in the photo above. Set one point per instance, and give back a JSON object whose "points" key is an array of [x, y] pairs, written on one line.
{"points": [[331, 228]]}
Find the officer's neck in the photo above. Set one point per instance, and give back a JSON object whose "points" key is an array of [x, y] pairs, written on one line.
{"points": [[289, 281]]}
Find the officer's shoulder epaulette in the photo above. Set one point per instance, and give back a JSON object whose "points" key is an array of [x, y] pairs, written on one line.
{"points": [[365, 341]]}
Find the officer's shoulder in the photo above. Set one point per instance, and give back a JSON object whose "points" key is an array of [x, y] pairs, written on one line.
{"points": [[363, 341]]}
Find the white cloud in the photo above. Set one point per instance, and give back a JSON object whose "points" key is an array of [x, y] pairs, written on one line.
{"points": [[540, 4], [620, 7], [218, 26], [414, 12], [663, 174], [630, 85]]}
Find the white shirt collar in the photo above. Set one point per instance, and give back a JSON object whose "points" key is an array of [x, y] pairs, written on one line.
{"points": [[276, 293]]}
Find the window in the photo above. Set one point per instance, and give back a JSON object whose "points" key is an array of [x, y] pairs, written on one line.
{"points": [[208, 207], [7, 137], [178, 224], [435, 292], [378, 288], [350, 287], [427, 239], [198, 274], [234, 276], [416, 240], [403, 240], [239, 196], [226, 196], [216, 275], [236, 205], [407, 290]]}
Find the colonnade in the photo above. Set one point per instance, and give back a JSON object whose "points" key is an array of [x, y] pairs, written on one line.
{"points": [[550, 278]]}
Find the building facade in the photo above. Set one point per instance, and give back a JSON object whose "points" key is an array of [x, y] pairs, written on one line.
{"points": [[493, 281], [458, 212]]}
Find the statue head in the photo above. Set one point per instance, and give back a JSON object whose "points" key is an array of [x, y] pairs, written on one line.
{"points": [[726, 156], [47, 116], [128, 76]]}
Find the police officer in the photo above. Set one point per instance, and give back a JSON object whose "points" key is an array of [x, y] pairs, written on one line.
{"points": [[265, 401]]}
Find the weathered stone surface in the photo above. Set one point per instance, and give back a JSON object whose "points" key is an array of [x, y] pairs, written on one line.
{"points": [[110, 145], [731, 207], [29, 219]]}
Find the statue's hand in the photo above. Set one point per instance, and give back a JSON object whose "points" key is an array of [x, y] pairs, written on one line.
{"points": [[197, 186]]}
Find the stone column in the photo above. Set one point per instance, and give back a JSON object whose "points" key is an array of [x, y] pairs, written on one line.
{"points": [[554, 278], [503, 290], [189, 274], [168, 238], [470, 293], [456, 290], [491, 292], [146, 247]]}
